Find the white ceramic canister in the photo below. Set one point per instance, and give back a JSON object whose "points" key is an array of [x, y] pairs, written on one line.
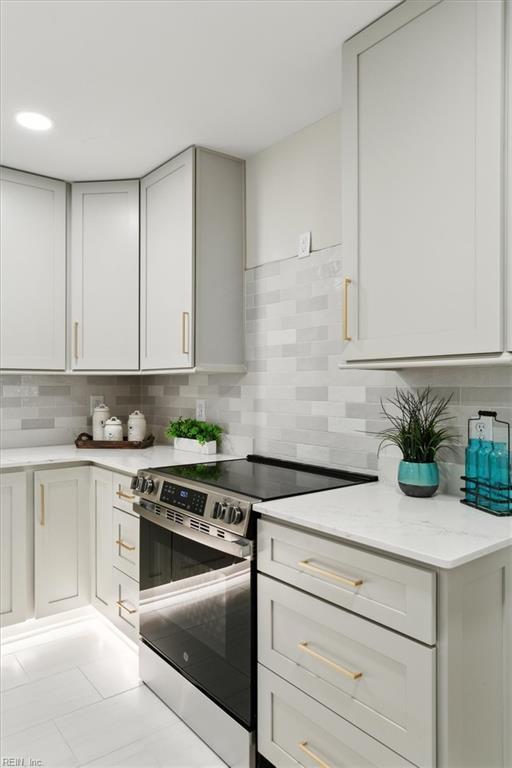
{"points": [[136, 426], [99, 417], [113, 429]]}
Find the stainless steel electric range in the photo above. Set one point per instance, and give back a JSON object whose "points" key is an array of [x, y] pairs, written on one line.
{"points": [[198, 588]]}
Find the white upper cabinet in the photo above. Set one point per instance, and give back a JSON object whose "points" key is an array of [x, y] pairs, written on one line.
{"points": [[422, 182], [508, 193], [33, 272], [167, 265], [105, 276], [192, 261]]}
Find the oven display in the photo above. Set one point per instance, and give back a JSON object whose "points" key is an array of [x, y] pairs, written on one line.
{"points": [[184, 498]]}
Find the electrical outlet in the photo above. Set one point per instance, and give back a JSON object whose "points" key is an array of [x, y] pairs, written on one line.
{"points": [[201, 410], [95, 400], [484, 428], [304, 245]]}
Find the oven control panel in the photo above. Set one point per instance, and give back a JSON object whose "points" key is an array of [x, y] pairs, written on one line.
{"points": [[184, 498]]}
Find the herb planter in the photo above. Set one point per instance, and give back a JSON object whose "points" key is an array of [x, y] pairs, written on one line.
{"points": [[194, 446], [420, 480]]}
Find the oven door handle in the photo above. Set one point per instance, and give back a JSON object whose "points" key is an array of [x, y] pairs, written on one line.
{"points": [[242, 548]]}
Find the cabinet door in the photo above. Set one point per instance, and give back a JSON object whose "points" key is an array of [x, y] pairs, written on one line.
{"points": [[61, 539], [167, 265], [13, 548], [105, 276], [508, 188], [33, 272], [101, 539], [422, 149]]}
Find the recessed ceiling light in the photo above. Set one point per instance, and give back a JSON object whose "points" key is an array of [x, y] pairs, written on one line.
{"points": [[34, 121]]}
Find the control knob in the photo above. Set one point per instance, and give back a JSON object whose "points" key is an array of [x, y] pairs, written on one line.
{"points": [[238, 515], [148, 485], [133, 483], [217, 508], [139, 486], [229, 514]]}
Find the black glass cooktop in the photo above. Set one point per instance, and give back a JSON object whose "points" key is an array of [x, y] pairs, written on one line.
{"points": [[265, 478]]}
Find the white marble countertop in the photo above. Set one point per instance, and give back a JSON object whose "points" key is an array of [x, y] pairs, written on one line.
{"points": [[118, 460], [439, 531]]}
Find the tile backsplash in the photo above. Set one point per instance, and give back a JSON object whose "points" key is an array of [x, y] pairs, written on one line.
{"points": [[293, 402], [54, 409]]}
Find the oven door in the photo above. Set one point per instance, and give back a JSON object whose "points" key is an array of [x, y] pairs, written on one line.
{"points": [[197, 609]]}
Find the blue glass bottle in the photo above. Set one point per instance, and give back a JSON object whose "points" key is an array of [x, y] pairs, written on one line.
{"points": [[471, 467], [499, 476], [483, 472]]}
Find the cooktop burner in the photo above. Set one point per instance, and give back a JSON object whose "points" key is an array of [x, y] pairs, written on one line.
{"points": [[264, 478]]}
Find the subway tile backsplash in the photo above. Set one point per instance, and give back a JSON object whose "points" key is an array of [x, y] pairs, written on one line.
{"points": [[54, 409], [293, 402]]}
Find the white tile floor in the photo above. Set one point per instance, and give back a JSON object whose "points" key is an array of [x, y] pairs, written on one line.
{"points": [[71, 696]]}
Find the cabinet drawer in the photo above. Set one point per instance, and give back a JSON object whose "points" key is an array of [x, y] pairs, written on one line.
{"points": [[126, 604], [122, 495], [294, 730], [125, 542], [397, 595], [380, 681]]}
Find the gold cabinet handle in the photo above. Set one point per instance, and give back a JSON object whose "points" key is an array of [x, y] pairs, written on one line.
{"points": [[125, 545], [121, 604], [330, 574], [43, 513], [128, 496], [185, 332], [344, 671], [346, 282], [304, 746], [75, 340]]}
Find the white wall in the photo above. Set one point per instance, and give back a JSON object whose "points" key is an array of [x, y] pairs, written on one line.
{"points": [[294, 186]]}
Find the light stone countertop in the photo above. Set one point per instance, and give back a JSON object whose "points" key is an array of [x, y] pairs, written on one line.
{"points": [[124, 460], [439, 531]]}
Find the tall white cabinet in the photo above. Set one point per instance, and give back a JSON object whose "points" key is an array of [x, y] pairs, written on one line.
{"points": [[61, 539], [13, 548], [508, 188], [422, 175], [105, 276], [33, 272], [192, 255]]}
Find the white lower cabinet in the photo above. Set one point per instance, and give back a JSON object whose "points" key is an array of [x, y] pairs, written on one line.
{"points": [[61, 539], [126, 604], [375, 678], [13, 548], [295, 730], [101, 540], [125, 543]]}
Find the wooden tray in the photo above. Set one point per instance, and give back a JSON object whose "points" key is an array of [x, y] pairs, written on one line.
{"points": [[85, 440]]}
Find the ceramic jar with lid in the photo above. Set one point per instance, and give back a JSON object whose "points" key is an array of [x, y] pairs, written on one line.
{"points": [[113, 429], [136, 426], [99, 417]]}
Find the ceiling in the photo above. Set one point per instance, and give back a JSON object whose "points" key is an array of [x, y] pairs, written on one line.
{"points": [[129, 84]]}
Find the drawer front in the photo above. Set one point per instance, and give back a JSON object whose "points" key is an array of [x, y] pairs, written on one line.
{"points": [[125, 542], [380, 681], [294, 730], [126, 604], [397, 595], [122, 495]]}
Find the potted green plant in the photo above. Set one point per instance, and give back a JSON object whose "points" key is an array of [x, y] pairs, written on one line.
{"points": [[419, 429], [193, 435]]}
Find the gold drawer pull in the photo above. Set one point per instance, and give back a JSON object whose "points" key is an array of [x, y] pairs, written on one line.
{"points": [[121, 604], [330, 574], [75, 340], [346, 282], [42, 518], [125, 545], [128, 496], [304, 746], [347, 672], [185, 333]]}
